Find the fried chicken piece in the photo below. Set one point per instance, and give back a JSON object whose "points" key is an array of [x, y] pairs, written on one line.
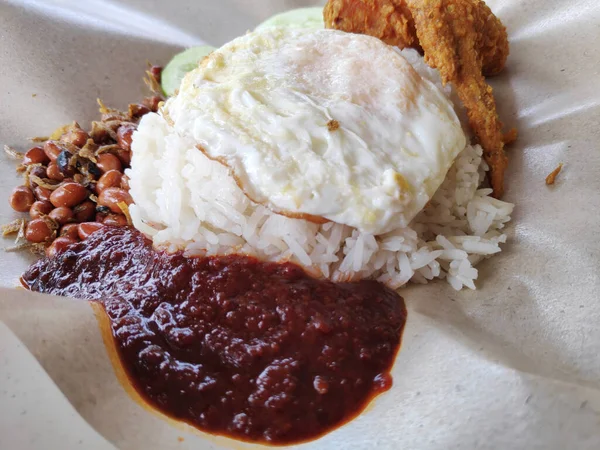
{"points": [[392, 22], [461, 38]]}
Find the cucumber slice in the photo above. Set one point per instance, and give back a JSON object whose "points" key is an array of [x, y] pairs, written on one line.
{"points": [[182, 63], [296, 18]]}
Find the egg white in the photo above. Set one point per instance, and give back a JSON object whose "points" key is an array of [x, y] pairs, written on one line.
{"points": [[321, 124]]}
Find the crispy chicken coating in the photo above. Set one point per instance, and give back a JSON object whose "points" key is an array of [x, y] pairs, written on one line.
{"points": [[392, 22]]}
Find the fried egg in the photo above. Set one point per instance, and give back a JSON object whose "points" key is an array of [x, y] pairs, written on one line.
{"points": [[322, 125]]}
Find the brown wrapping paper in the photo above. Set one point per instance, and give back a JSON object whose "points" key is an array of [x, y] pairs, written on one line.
{"points": [[515, 364]]}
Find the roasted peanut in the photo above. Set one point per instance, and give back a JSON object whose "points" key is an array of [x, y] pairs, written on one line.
{"points": [[52, 150], [38, 230], [59, 245], [107, 162], [21, 199], [110, 197], [69, 195], [124, 134], [138, 110], [125, 183], [84, 211], [42, 193], [70, 230], [40, 208], [117, 220], [35, 155], [61, 215], [54, 172], [75, 136], [86, 228], [112, 178]]}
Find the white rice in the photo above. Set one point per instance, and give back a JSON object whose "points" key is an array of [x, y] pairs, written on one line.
{"points": [[188, 202]]}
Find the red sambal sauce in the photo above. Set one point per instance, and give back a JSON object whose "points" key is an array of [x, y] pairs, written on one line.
{"points": [[252, 350]]}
